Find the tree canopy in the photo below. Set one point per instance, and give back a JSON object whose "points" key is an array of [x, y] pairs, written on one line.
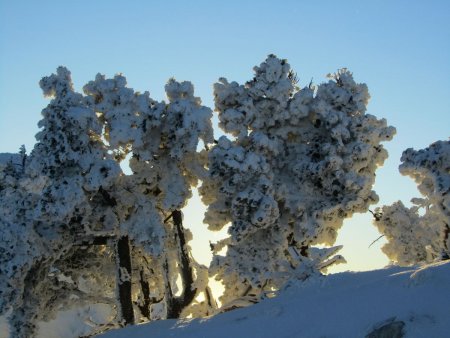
{"points": [[293, 164]]}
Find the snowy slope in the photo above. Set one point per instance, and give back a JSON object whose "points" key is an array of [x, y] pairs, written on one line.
{"points": [[350, 304]]}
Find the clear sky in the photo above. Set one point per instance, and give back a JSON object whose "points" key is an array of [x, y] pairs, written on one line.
{"points": [[401, 49]]}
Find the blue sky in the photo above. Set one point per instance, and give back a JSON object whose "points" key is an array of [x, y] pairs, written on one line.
{"points": [[401, 49]]}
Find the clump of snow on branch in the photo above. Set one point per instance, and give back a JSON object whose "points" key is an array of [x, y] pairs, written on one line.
{"points": [[302, 161], [415, 237]]}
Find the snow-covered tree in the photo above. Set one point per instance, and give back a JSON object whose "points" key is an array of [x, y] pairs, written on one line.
{"points": [[420, 233], [76, 229], [299, 163], [162, 139], [54, 207]]}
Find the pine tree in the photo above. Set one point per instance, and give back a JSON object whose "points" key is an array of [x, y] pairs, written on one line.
{"points": [[301, 161]]}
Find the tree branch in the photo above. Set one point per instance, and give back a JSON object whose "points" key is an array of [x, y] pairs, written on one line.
{"points": [[124, 280]]}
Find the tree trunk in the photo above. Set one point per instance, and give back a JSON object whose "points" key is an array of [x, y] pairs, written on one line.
{"points": [[145, 288], [124, 280], [210, 301], [186, 271], [446, 246], [169, 297]]}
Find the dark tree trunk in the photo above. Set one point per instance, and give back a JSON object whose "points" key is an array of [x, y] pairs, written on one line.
{"points": [[446, 236], [177, 304], [170, 299], [124, 280], [210, 300], [145, 288]]}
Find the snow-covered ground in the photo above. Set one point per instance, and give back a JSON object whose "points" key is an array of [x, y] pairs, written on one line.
{"points": [[349, 304]]}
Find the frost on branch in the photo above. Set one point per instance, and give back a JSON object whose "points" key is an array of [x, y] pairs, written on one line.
{"points": [[187, 121], [124, 116], [415, 237], [301, 162]]}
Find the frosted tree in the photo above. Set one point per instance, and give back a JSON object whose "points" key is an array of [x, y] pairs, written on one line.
{"points": [[299, 162], [19, 244], [121, 113], [54, 205], [421, 233], [162, 140], [77, 230]]}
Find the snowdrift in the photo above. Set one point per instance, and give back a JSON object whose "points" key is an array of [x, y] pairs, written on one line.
{"points": [[349, 304]]}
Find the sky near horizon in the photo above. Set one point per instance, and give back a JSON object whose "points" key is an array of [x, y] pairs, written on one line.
{"points": [[401, 49]]}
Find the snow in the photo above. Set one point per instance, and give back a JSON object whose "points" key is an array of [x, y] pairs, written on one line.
{"points": [[349, 304], [75, 322]]}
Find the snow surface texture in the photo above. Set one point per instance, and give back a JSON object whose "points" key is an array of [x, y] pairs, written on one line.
{"points": [[349, 305], [414, 238], [300, 162]]}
